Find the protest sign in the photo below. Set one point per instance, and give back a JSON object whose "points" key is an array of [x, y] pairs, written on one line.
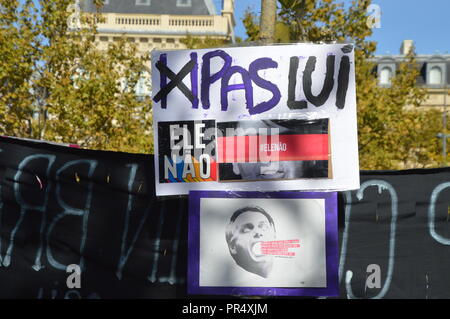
{"points": [[255, 118], [253, 243]]}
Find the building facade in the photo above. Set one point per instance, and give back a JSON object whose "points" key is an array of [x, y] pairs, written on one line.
{"points": [[434, 74], [161, 24]]}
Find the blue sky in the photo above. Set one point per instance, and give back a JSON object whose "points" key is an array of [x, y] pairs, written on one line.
{"points": [[425, 22]]}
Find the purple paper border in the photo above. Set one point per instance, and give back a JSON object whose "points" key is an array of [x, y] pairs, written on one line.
{"points": [[331, 244]]}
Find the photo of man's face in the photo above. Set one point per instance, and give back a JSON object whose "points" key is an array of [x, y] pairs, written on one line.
{"points": [[248, 227], [260, 241], [267, 170], [273, 150]]}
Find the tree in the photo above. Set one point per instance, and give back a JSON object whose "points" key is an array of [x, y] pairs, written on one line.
{"points": [[267, 21], [393, 133], [192, 42], [56, 84]]}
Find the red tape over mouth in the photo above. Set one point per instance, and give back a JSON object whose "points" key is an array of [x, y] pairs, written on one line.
{"points": [[279, 247]]}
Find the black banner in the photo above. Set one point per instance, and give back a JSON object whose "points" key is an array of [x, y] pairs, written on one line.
{"points": [[62, 206]]}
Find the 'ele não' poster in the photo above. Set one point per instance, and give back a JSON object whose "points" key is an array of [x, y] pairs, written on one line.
{"points": [[258, 118]]}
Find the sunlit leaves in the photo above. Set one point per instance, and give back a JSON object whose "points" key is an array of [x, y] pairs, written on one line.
{"points": [[394, 132], [55, 84]]}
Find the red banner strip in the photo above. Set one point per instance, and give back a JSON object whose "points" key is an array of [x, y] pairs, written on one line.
{"points": [[273, 148]]}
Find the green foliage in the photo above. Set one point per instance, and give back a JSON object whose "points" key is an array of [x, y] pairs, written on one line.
{"points": [[252, 29], [57, 85], [192, 42], [393, 132]]}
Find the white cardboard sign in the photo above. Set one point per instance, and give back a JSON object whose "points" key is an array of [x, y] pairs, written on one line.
{"points": [[255, 118]]}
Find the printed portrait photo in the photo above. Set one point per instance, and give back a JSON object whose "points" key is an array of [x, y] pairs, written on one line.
{"points": [[273, 150], [262, 242]]}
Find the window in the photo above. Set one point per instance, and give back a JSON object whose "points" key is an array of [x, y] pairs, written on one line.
{"points": [[385, 76], [435, 75], [386, 71], [436, 69], [142, 2], [184, 3], [78, 76], [143, 86]]}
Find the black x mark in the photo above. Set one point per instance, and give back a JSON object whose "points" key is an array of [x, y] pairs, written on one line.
{"points": [[176, 81]]}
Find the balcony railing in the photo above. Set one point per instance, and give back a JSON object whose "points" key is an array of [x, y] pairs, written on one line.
{"points": [[137, 21], [163, 23], [191, 22]]}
